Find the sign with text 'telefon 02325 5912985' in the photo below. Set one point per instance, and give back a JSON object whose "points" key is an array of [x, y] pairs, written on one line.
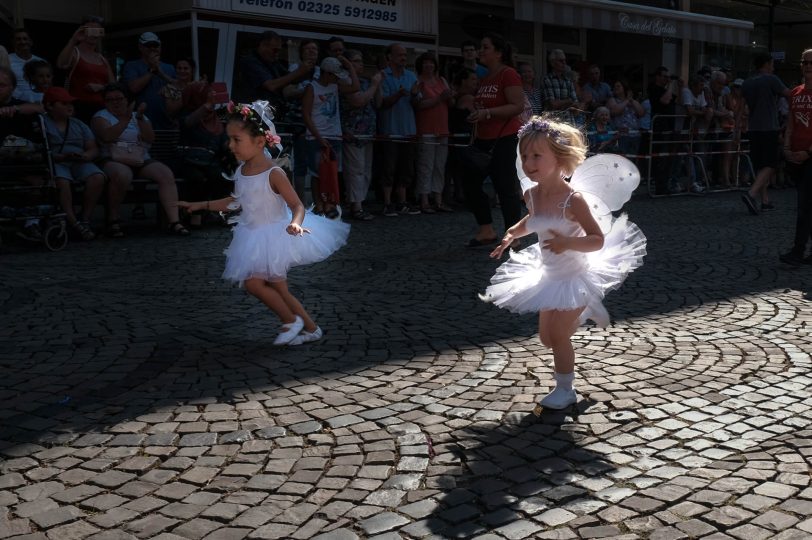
{"points": [[385, 14]]}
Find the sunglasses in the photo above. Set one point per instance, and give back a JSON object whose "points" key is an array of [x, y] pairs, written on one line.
{"points": [[806, 62]]}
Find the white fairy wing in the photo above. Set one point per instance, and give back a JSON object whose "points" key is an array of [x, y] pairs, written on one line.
{"points": [[606, 181]]}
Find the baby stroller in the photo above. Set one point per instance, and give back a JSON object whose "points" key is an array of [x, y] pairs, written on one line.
{"points": [[29, 204]]}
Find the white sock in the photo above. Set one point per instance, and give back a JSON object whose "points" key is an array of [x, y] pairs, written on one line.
{"points": [[564, 380]]}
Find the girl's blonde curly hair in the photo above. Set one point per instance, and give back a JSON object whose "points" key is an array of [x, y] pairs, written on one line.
{"points": [[566, 141]]}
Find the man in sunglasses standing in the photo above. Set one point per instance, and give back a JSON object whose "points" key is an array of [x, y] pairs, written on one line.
{"points": [[797, 151], [761, 91]]}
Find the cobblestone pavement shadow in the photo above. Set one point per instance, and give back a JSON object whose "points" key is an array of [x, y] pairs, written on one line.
{"points": [[142, 397]]}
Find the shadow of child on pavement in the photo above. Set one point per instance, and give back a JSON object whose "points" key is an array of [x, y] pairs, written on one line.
{"points": [[494, 476]]}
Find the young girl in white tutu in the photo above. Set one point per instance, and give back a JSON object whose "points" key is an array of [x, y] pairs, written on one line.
{"points": [[582, 252], [273, 231]]}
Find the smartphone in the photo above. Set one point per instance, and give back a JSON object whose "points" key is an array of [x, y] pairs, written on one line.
{"points": [[94, 31], [220, 90]]}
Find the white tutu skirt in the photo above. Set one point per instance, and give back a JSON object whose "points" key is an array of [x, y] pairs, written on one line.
{"points": [[267, 251], [534, 280]]}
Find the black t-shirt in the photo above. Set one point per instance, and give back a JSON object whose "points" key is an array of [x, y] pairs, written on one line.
{"points": [[655, 93], [254, 72]]}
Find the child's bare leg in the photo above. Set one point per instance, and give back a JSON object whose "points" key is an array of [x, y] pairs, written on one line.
{"points": [[555, 330], [66, 199], [266, 294], [293, 304]]}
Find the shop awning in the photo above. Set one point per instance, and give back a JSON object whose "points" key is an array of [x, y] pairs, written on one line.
{"points": [[636, 19]]}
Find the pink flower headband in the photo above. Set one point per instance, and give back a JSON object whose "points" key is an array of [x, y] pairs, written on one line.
{"points": [[543, 126], [260, 113]]}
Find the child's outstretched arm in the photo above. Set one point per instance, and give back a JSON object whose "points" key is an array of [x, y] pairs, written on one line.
{"points": [[220, 205], [592, 241], [280, 184], [517, 231]]}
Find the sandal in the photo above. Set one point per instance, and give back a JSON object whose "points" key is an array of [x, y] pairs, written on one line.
{"points": [[83, 230], [176, 228], [114, 229], [428, 210]]}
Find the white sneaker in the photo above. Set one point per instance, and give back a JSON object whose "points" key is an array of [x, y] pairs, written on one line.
{"points": [[307, 337], [696, 187], [289, 332], [560, 398]]}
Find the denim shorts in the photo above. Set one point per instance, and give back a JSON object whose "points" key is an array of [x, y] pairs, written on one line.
{"points": [[75, 171]]}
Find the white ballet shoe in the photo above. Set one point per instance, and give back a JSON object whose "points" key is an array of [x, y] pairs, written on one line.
{"points": [[560, 398], [307, 337], [289, 332]]}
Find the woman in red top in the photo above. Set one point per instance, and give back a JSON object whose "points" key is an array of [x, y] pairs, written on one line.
{"points": [[89, 71], [498, 101], [797, 151]]}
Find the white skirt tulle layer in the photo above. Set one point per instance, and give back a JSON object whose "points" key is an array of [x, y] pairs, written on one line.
{"points": [[267, 251], [524, 284]]}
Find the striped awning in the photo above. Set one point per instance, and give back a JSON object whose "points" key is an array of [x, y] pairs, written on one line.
{"points": [[636, 19]]}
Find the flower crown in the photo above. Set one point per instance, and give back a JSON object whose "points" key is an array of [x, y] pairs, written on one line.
{"points": [[260, 114], [543, 126]]}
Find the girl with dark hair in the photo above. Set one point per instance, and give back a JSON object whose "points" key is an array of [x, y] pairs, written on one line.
{"points": [[273, 232], [498, 103]]}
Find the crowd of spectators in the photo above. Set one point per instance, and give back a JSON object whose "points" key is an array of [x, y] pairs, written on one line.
{"points": [[391, 129]]}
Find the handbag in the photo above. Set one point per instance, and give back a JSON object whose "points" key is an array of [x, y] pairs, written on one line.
{"points": [[127, 153], [477, 159], [328, 176]]}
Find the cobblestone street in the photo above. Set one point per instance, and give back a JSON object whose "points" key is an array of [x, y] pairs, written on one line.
{"points": [[142, 397]]}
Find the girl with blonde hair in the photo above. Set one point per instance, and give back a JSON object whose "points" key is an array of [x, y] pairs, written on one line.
{"points": [[583, 251]]}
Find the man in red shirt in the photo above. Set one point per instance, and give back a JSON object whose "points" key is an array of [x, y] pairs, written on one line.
{"points": [[797, 150]]}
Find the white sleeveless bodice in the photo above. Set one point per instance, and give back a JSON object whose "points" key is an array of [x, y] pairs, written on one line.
{"points": [[260, 205]]}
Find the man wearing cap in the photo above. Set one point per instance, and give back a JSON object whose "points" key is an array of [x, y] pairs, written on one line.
{"points": [[761, 91], [147, 77], [264, 76], [321, 113]]}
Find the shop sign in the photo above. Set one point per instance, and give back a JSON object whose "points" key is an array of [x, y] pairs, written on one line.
{"points": [[386, 14], [642, 25]]}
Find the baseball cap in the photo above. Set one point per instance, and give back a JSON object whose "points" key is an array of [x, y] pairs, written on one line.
{"points": [[57, 94], [738, 82], [333, 65], [149, 37]]}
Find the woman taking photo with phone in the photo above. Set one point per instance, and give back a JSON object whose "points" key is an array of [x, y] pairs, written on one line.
{"points": [[88, 70]]}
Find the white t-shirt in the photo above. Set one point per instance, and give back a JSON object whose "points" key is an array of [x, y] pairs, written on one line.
{"points": [[688, 99], [325, 113]]}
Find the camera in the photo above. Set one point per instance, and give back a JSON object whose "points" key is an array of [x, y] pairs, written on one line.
{"points": [[94, 31]]}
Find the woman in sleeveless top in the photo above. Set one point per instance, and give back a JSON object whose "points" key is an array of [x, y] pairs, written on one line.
{"points": [[88, 70]]}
